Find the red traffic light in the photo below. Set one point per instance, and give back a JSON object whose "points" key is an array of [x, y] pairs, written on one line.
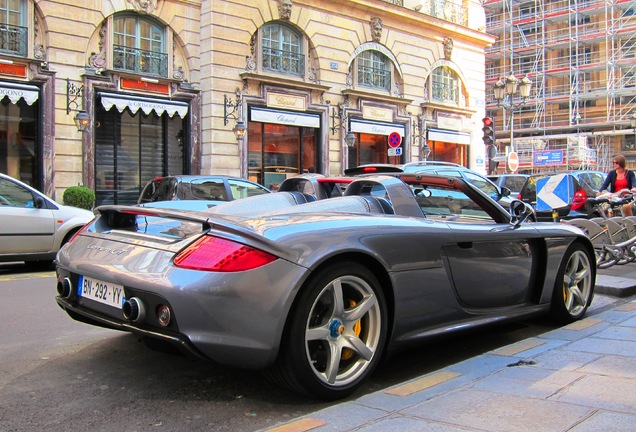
{"points": [[487, 121]]}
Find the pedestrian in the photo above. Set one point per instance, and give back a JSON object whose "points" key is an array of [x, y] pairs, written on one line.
{"points": [[618, 179]]}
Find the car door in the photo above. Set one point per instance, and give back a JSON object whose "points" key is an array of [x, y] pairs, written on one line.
{"points": [[493, 265], [24, 228]]}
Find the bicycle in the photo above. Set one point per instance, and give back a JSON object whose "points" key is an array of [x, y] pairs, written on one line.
{"points": [[613, 237]]}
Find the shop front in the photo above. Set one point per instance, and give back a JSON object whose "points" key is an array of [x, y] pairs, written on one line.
{"points": [[137, 138], [282, 144], [372, 143], [20, 135], [449, 145]]}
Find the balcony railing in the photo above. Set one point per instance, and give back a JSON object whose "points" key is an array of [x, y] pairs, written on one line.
{"points": [[374, 77], [140, 61], [445, 93], [395, 2], [283, 61], [13, 39]]}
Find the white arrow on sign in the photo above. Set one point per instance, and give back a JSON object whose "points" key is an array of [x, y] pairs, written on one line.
{"points": [[553, 192]]}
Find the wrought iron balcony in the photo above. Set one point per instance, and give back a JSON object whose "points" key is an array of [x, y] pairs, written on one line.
{"points": [[445, 92], [374, 77], [283, 61], [13, 39], [395, 2], [140, 61]]}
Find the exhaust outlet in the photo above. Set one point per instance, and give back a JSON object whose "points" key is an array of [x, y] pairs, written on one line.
{"points": [[134, 310], [64, 287]]}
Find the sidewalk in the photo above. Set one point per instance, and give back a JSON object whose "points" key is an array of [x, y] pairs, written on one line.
{"points": [[578, 378]]}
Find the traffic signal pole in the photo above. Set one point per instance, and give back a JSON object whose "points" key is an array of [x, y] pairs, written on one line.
{"points": [[488, 137]]}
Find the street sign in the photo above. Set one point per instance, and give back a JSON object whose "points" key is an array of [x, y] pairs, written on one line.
{"points": [[547, 157], [394, 151], [513, 161], [395, 139], [554, 192]]}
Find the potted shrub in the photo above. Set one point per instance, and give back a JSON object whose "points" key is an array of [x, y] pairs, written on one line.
{"points": [[79, 196]]}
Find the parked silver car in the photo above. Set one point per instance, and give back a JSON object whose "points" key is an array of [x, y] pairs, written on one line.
{"points": [[33, 227], [316, 292]]}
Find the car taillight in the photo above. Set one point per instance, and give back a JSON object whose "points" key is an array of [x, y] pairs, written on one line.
{"points": [[579, 199], [211, 253], [81, 230]]}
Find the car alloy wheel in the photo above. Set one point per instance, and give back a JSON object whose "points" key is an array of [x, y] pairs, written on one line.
{"points": [[574, 288], [337, 333]]}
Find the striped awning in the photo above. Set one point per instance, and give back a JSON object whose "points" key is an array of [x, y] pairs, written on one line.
{"points": [[146, 104], [15, 92]]}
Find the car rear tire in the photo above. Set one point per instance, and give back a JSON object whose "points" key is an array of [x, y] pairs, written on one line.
{"points": [[336, 334], [574, 288]]}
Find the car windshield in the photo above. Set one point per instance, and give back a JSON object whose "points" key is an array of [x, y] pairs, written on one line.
{"points": [[161, 189], [450, 204]]}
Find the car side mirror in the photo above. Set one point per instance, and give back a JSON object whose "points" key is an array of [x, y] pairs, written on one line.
{"points": [[520, 212], [39, 202], [505, 191]]}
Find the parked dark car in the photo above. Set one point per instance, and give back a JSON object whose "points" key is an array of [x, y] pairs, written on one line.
{"points": [[514, 182], [583, 184], [214, 189]]}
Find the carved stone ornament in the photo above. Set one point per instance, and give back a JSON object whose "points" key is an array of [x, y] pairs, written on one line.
{"points": [[98, 60], [284, 9], [448, 48], [147, 6], [376, 29]]}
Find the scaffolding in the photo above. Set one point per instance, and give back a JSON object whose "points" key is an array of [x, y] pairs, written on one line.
{"points": [[581, 58]]}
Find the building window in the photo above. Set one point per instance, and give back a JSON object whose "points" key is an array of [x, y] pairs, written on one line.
{"points": [[445, 85], [282, 50], [629, 143], [629, 48], [374, 70], [13, 30], [138, 46]]}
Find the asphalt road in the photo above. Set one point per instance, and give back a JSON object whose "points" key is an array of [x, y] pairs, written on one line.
{"points": [[57, 374]]}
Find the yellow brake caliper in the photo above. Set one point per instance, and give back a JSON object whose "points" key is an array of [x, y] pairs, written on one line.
{"points": [[347, 353]]}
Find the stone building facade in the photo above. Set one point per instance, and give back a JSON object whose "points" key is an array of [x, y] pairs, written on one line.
{"points": [[313, 85]]}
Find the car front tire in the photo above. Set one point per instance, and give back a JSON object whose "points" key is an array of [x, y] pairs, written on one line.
{"points": [[336, 335], [574, 289]]}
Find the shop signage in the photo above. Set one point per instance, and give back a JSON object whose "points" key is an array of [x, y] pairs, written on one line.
{"points": [[451, 123], [130, 84], [285, 117], [376, 128], [381, 114], [278, 100], [18, 70]]}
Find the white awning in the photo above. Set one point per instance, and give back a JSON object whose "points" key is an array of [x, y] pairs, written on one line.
{"points": [[376, 128], [147, 105], [285, 117], [449, 136], [15, 92]]}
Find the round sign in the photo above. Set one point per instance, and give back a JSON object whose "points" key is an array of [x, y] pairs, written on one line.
{"points": [[395, 139], [513, 161]]}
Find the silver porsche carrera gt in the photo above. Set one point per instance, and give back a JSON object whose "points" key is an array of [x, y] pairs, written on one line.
{"points": [[316, 291]]}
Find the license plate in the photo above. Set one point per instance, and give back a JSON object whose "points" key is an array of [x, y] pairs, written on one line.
{"points": [[103, 292]]}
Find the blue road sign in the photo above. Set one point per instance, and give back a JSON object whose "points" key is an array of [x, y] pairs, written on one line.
{"points": [[554, 192]]}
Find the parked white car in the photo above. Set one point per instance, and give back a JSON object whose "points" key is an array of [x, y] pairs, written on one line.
{"points": [[33, 227]]}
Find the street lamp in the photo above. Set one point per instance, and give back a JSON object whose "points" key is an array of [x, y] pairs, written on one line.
{"points": [[505, 92]]}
